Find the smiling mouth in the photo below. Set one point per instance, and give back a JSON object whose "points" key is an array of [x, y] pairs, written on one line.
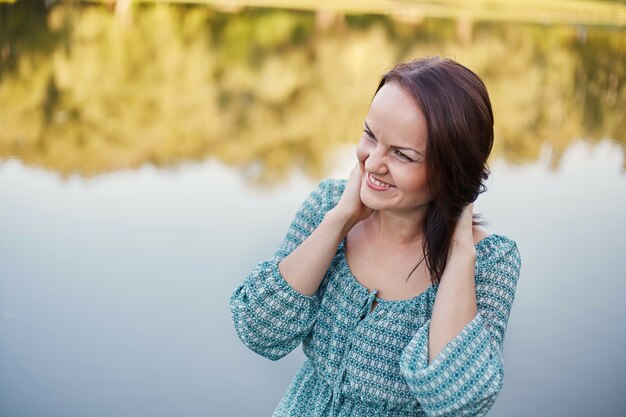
{"points": [[377, 183]]}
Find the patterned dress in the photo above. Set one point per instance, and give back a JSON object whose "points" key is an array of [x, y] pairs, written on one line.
{"points": [[375, 363]]}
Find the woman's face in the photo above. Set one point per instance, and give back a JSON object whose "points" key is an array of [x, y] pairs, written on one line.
{"points": [[391, 152]]}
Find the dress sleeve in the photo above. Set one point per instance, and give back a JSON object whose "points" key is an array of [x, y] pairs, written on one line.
{"points": [[467, 375], [270, 317]]}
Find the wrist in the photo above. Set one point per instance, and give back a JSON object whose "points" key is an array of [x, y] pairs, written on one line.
{"points": [[466, 250], [342, 220]]}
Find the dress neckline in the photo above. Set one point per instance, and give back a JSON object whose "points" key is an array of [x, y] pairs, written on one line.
{"points": [[403, 302]]}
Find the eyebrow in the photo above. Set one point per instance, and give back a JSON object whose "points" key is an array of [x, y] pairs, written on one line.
{"points": [[369, 132]]}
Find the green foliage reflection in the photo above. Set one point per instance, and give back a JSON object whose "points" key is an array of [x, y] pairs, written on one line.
{"points": [[87, 91]]}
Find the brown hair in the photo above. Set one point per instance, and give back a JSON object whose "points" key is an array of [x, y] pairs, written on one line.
{"points": [[458, 112]]}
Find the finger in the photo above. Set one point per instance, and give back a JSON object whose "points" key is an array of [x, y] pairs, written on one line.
{"points": [[466, 215]]}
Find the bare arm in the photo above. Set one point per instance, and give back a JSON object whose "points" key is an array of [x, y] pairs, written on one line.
{"points": [[305, 267], [455, 304]]}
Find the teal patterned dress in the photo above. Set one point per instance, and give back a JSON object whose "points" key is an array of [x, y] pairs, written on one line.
{"points": [[375, 363]]}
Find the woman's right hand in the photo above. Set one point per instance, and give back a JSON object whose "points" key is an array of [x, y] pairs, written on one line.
{"points": [[350, 207]]}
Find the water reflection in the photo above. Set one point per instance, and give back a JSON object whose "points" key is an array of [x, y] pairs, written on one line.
{"points": [[84, 92]]}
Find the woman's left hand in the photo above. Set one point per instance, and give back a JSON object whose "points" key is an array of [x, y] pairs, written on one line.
{"points": [[463, 236]]}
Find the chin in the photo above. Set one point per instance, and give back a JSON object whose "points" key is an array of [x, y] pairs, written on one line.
{"points": [[372, 202]]}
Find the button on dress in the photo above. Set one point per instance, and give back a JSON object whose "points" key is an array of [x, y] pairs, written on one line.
{"points": [[364, 362]]}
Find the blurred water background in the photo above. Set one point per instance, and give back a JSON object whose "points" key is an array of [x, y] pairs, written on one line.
{"points": [[151, 153]]}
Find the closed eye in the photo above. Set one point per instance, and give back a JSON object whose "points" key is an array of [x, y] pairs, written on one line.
{"points": [[369, 135], [402, 156]]}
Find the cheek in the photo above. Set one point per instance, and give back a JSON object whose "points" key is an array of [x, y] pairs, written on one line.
{"points": [[415, 181], [420, 185], [362, 150]]}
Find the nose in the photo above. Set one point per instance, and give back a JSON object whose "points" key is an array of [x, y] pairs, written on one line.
{"points": [[375, 161]]}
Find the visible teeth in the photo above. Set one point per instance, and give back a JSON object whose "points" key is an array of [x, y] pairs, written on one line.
{"points": [[379, 183]]}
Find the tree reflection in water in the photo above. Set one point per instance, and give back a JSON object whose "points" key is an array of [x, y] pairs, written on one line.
{"points": [[83, 91]]}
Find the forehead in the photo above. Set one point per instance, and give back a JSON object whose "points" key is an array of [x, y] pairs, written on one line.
{"points": [[395, 117]]}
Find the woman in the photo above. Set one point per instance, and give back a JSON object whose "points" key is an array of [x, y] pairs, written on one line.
{"points": [[400, 300]]}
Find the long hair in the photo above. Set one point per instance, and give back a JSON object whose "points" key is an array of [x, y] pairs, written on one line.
{"points": [[458, 112]]}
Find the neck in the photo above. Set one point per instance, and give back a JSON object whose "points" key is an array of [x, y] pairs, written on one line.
{"points": [[397, 229]]}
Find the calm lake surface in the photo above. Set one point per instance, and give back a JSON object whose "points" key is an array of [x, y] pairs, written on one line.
{"points": [[148, 161]]}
